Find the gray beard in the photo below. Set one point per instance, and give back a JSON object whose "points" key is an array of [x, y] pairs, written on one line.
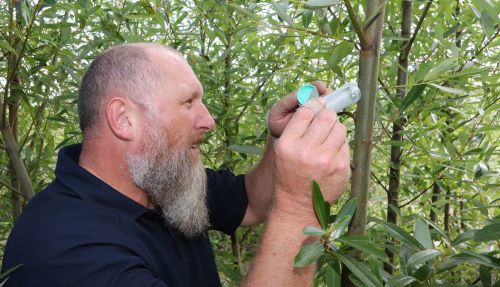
{"points": [[175, 183]]}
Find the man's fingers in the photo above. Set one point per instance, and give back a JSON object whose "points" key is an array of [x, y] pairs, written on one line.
{"points": [[299, 123], [337, 137], [321, 127], [288, 104]]}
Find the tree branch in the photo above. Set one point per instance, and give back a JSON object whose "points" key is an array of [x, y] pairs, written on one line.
{"points": [[417, 29], [359, 31], [380, 182], [416, 197]]}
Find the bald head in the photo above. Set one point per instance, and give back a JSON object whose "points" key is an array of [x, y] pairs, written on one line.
{"points": [[129, 70]]}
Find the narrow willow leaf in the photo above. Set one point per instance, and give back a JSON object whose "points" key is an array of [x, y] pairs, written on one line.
{"points": [[339, 52], [400, 281], [440, 68], [359, 270], [488, 233], [348, 208], [423, 256], [423, 272], [278, 7], [321, 3], [448, 89], [307, 16], [6, 273], [339, 226], [415, 92], [445, 237], [308, 254], [463, 237], [422, 233], [333, 274], [485, 276], [246, 149], [313, 230], [399, 233], [321, 207], [365, 246], [466, 257]]}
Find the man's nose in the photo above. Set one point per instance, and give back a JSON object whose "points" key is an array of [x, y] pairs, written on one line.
{"points": [[205, 120]]}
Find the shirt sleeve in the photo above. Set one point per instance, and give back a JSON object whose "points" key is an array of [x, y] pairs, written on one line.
{"points": [[227, 199]]}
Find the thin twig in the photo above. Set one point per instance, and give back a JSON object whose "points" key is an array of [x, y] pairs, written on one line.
{"points": [[417, 29], [359, 31], [416, 197], [379, 182], [481, 49]]}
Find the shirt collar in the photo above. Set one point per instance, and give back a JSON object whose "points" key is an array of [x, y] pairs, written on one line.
{"points": [[90, 187]]}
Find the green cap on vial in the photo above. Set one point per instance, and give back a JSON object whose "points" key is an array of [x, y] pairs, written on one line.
{"points": [[306, 92]]}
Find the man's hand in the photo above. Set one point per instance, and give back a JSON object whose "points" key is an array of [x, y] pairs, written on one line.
{"points": [[282, 112], [313, 145]]}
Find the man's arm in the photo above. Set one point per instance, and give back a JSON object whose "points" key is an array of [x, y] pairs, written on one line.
{"points": [[312, 146], [259, 185]]}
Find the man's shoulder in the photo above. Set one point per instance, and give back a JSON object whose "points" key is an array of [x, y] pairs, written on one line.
{"points": [[57, 217]]}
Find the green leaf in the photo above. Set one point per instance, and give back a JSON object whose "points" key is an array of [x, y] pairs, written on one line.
{"points": [[423, 272], [398, 233], [448, 89], [320, 3], [246, 149], [445, 237], [400, 281], [321, 207], [348, 208], [278, 7], [340, 51], [415, 92], [470, 71], [308, 254], [6, 273], [313, 230], [359, 270], [487, 23], [332, 276], [365, 246], [463, 237], [466, 257], [485, 276], [423, 234], [307, 17], [5, 45], [488, 233], [440, 68], [339, 226], [422, 257]]}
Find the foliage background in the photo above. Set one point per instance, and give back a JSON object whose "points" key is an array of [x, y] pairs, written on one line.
{"points": [[248, 54]]}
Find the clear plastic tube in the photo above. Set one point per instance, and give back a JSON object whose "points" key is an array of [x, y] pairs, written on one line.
{"points": [[337, 100]]}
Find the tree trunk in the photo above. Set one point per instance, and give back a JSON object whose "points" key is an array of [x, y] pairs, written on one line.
{"points": [[398, 126], [365, 118], [20, 179], [436, 190]]}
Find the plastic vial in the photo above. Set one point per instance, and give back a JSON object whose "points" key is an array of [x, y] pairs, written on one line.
{"points": [[337, 100]]}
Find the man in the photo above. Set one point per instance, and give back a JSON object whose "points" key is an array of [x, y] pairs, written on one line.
{"points": [[131, 205]]}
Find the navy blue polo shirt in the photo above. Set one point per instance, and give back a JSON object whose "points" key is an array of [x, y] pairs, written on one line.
{"points": [[80, 231]]}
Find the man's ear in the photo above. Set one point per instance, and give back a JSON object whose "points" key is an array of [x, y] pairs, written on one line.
{"points": [[120, 115]]}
